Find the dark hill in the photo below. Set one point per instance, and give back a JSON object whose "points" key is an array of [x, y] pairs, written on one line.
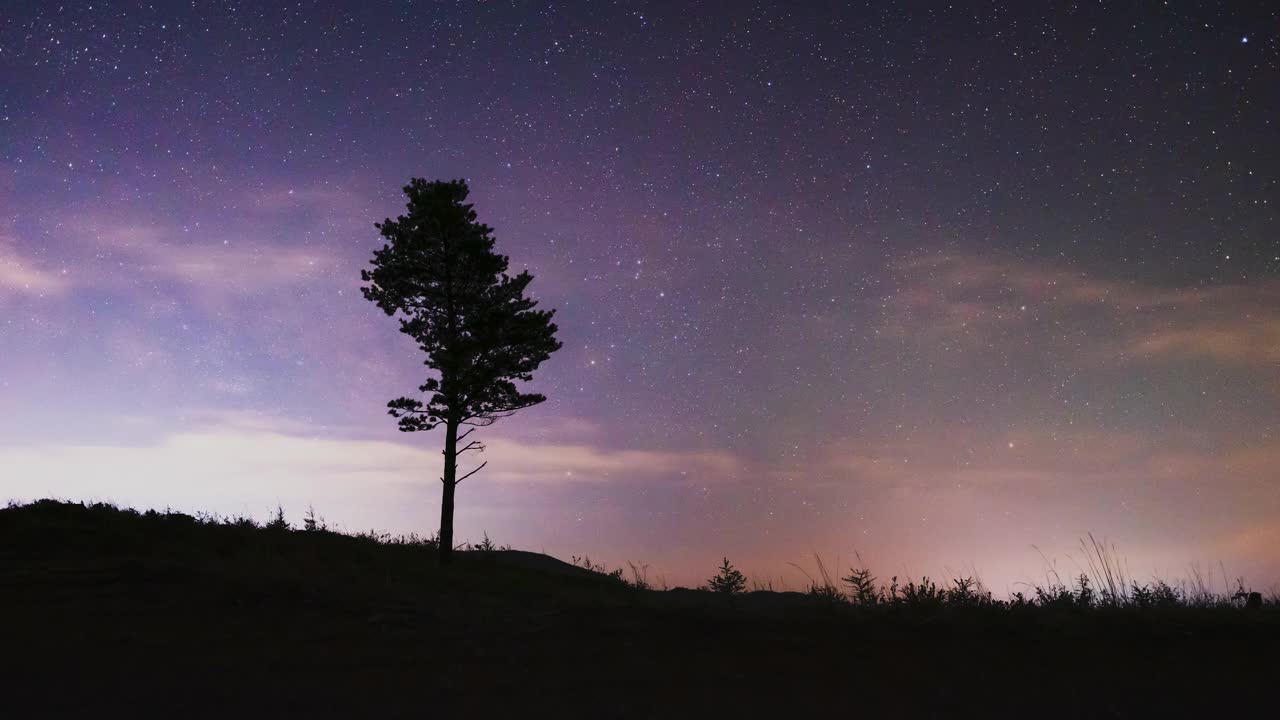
{"points": [[112, 612]]}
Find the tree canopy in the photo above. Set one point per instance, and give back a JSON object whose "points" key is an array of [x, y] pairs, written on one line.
{"points": [[480, 333]]}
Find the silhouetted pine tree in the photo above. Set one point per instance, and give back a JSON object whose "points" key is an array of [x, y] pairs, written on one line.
{"points": [[438, 272], [729, 580]]}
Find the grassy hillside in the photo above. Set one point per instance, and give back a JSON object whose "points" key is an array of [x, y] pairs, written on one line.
{"points": [[165, 614]]}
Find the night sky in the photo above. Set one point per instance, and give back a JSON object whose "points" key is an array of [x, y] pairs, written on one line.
{"points": [[948, 287]]}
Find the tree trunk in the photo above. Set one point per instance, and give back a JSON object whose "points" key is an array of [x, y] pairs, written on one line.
{"points": [[450, 484]]}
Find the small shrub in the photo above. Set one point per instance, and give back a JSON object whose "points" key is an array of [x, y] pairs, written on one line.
{"points": [[312, 522], [826, 593], [487, 546], [372, 535], [244, 522], [1141, 596], [862, 587], [1242, 595], [639, 577], [585, 563], [1157, 595], [278, 523], [1085, 595], [1054, 595], [208, 518], [728, 581], [967, 591], [821, 587], [923, 594]]}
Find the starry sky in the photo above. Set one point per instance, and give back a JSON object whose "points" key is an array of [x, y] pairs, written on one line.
{"points": [[944, 285]]}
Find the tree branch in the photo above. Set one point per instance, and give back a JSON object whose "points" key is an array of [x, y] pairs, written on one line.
{"points": [[473, 472], [473, 445]]}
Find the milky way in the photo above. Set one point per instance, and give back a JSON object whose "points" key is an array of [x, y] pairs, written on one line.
{"points": [[932, 285]]}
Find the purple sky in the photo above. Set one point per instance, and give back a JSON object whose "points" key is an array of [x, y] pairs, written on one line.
{"points": [[935, 286]]}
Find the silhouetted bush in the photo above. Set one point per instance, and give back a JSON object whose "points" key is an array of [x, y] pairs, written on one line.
{"points": [[313, 523], [585, 563], [277, 523], [923, 594], [728, 580], [862, 587], [639, 577]]}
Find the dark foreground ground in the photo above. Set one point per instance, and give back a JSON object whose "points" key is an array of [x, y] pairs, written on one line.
{"points": [[111, 614]]}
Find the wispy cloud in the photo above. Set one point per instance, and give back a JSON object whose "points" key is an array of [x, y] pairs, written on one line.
{"points": [[22, 275], [1258, 543], [986, 302], [262, 461], [126, 247], [555, 463], [1246, 339], [211, 264], [1033, 458]]}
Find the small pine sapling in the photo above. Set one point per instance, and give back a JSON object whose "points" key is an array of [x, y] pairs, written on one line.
{"points": [[729, 580]]}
